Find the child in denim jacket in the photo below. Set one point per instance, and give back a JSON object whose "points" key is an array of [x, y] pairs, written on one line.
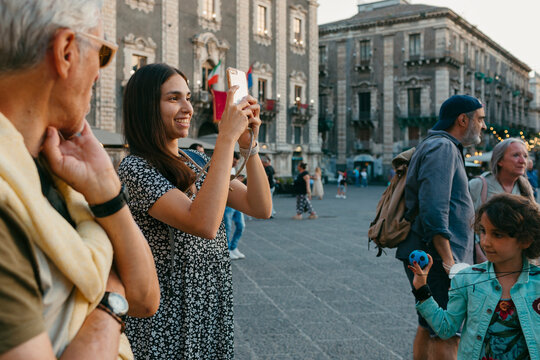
{"points": [[497, 301]]}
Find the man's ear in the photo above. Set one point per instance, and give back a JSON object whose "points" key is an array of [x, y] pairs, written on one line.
{"points": [[462, 120], [64, 50]]}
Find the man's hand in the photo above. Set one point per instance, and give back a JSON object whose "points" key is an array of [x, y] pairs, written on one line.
{"points": [[82, 162], [442, 245]]}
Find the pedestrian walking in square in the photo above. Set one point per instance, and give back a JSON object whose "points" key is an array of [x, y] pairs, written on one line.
{"points": [[303, 193]]}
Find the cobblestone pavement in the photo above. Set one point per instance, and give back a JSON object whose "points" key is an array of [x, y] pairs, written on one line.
{"points": [[311, 289]]}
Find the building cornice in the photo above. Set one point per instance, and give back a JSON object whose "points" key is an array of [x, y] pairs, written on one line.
{"points": [[443, 13]]}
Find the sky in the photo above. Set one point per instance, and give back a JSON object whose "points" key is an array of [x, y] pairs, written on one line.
{"points": [[513, 24]]}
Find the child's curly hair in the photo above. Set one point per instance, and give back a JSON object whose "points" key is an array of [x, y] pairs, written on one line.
{"points": [[516, 216]]}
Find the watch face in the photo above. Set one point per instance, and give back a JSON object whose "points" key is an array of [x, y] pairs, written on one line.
{"points": [[118, 303]]}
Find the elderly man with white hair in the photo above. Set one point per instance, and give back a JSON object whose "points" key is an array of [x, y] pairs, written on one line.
{"points": [[63, 219]]}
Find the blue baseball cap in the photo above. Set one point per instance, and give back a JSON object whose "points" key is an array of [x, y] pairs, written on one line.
{"points": [[453, 107]]}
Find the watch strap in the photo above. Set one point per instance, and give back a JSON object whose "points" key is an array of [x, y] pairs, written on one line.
{"points": [[112, 206], [422, 293], [116, 317]]}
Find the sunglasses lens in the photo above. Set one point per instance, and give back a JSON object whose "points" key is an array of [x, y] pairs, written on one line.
{"points": [[105, 55]]}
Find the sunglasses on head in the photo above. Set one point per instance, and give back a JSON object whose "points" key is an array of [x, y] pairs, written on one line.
{"points": [[106, 51]]}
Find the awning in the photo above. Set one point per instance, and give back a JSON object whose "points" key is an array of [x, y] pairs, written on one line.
{"points": [[363, 158]]}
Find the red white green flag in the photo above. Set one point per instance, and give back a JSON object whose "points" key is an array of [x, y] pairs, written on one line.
{"points": [[213, 76]]}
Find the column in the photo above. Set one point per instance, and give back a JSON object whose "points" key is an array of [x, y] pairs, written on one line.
{"points": [[281, 75], [341, 100], [388, 100], [313, 78], [169, 33], [442, 86], [106, 85], [242, 35]]}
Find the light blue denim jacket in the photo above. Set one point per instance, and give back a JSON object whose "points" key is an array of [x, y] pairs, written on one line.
{"points": [[476, 303]]}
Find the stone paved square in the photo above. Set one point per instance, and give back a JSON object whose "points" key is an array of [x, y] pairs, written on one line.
{"points": [[311, 289]]}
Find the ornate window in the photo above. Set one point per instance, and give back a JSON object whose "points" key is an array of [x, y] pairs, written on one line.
{"points": [[298, 82], [138, 51], [365, 51], [262, 81], [323, 55], [414, 105], [261, 93], [137, 61], [262, 24], [208, 50], [206, 69], [209, 12], [142, 5], [297, 134], [414, 45], [297, 37]]}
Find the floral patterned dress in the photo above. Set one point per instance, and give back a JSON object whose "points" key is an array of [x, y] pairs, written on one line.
{"points": [[195, 316], [504, 339]]}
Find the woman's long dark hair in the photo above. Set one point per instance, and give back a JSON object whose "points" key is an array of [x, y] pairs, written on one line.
{"points": [[143, 126]]}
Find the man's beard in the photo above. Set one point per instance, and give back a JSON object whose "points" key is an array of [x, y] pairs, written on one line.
{"points": [[470, 138]]}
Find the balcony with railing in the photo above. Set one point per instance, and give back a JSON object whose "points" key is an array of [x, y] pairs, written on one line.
{"points": [[269, 109], [301, 113], [363, 119]]}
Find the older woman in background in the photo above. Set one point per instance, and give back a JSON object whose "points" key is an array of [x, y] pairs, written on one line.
{"points": [[508, 166]]}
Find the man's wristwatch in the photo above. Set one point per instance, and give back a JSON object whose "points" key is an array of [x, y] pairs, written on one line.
{"points": [[115, 305], [112, 206]]}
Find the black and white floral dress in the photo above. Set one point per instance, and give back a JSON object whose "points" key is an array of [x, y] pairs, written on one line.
{"points": [[195, 316]]}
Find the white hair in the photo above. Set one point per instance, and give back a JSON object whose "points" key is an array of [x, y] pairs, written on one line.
{"points": [[27, 27], [499, 150]]}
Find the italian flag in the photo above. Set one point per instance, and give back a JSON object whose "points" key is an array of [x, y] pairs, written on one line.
{"points": [[213, 76]]}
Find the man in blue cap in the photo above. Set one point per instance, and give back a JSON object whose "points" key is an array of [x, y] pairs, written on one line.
{"points": [[441, 209]]}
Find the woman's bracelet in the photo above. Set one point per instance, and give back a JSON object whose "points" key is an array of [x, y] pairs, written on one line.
{"points": [[254, 150]]}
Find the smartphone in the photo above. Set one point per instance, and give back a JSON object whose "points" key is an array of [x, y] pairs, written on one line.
{"points": [[237, 77]]}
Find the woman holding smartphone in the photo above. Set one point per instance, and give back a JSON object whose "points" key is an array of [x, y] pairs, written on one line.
{"points": [[179, 208]]}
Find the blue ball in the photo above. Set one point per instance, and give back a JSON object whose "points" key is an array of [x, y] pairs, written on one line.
{"points": [[420, 257]]}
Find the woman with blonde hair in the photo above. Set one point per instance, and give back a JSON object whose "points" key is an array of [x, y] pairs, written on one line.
{"points": [[508, 168]]}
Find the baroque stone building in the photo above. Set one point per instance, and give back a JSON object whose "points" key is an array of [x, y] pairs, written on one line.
{"points": [[385, 72], [278, 39]]}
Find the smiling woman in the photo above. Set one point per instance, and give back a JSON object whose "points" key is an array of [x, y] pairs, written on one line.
{"points": [[179, 207]]}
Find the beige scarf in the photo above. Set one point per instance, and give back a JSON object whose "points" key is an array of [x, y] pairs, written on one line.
{"points": [[84, 255]]}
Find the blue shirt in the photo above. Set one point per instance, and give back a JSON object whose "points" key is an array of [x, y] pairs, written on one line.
{"points": [[533, 180], [437, 191], [476, 303]]}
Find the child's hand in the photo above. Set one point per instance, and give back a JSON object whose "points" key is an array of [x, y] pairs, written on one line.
{"points": [[420, 276]]}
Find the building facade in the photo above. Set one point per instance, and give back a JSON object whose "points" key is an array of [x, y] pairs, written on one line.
{"points": [[385, 72], [534, 88], [277, 39]]}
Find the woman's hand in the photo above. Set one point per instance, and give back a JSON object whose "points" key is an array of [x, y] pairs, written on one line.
{"points": [[234, 120], [254, 123], [420, 276]]}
